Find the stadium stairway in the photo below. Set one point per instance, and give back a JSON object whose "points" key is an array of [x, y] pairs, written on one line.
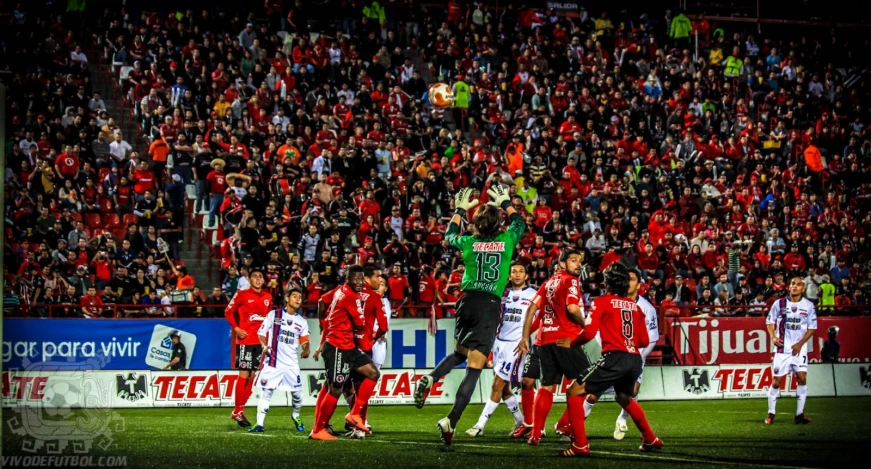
{"points": [[196, 251]]}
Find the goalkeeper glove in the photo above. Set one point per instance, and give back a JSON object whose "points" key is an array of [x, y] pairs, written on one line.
{"points": [[464, 201], [499, 196]]}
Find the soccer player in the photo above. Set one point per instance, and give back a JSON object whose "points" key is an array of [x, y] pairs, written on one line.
{"points": [[621, 325], [379, 349], [341, 355], [506, 365], [251, 306], [791, 323], [562, 319], [652, 321], [281, 334], [487, 257], [366, 338], [531, 374]]}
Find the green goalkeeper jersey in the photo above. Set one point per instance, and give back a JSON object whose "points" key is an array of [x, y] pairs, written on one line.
{"points": [[487, 261]]}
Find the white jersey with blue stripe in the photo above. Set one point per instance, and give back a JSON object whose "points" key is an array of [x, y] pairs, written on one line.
{"points": [[791, 320], [515, 303], [650, 317], [284, 333]]}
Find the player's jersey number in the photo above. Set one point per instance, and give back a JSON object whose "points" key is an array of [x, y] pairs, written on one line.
{"points": [[488, 266], [626, 315]]}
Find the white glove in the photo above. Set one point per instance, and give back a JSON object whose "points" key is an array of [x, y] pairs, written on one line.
{"points": [[464, 201], [499, 196]]}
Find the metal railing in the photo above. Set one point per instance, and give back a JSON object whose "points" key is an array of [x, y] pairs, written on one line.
{"points": [[411, 311]]}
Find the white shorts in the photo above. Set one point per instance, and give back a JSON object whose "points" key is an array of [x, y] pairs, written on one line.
{"points": [[785, 363], [379, 353], [282, 378], [506, 365]]}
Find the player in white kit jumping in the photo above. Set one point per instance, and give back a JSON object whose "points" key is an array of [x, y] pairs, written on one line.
{"points": [[281, 334], [652, 321], [507, 367], [791, 323]]}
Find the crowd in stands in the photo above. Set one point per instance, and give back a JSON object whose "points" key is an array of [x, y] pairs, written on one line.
{"points": [[306, 130]]}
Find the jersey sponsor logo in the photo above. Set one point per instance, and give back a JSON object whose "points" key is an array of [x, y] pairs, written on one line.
{"points": [[493, 246], [256, 318], [696, 381], [131, 387]]}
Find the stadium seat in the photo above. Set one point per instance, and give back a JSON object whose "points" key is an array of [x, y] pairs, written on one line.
{"points": [[130, 218], [106, 205], [111, 220], [96, 232], [76, 216], [93, 220], [191, 191], [119, 232]]}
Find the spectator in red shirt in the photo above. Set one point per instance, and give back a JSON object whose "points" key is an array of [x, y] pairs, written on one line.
{"points": [[397, 285], [217, 186]]}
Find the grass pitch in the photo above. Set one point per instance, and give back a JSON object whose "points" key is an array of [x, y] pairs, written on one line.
{"points": [[722, 433]]}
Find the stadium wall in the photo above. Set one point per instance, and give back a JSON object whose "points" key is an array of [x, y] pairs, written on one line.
{"points": [[104, 389]]}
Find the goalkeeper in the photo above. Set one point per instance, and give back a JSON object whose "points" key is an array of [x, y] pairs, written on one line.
{"points": [[487, 257]]}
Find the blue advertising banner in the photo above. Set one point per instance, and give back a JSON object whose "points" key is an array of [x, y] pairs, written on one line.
{"points": [[129, 344]]}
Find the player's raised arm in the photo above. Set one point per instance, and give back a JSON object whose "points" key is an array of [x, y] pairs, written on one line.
{"points": [[523, 345], [463, 201]]}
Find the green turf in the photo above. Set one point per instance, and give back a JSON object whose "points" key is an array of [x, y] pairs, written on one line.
{"points": [[696, 433]]}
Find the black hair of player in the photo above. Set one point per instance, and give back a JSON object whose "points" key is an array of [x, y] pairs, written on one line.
{"points": [[253, 270], [617, 279], [567, 253], [487, 223], [292, 290], [368, 270], [355, 269], [519, 264]]}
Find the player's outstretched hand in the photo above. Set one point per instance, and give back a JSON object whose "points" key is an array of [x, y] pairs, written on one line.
{"points": [[499, 196], [464, 200], [522, 347]]}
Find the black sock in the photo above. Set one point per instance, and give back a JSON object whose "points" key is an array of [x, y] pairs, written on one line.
{"points": [[464, 395], [446, 365]]}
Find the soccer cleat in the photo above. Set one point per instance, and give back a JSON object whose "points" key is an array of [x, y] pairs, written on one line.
{"points": [[574, 452], [769, 420], [648, 447], [239, 417], [620, 430], [368, 428], [298, 424], [475, 431], [563, 431], [322, 435], [257, 429], [356, 421], [355, 435], [521, 430], [534, 440], [422, 390], [332, 431], [800, 419], [446, 430]]}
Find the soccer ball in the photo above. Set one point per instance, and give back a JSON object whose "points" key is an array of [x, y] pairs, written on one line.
{"points": [[441, 95], [60, 398]]}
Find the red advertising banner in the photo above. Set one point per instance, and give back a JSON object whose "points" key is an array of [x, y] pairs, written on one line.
{"points": [[724, 341]]}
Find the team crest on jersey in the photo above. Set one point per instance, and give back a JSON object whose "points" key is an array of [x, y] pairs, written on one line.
{"points": [[793, 308], [264, 382], [515, 298]]}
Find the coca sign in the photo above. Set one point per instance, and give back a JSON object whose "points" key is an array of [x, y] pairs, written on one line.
{"points": [[712, 341]]}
